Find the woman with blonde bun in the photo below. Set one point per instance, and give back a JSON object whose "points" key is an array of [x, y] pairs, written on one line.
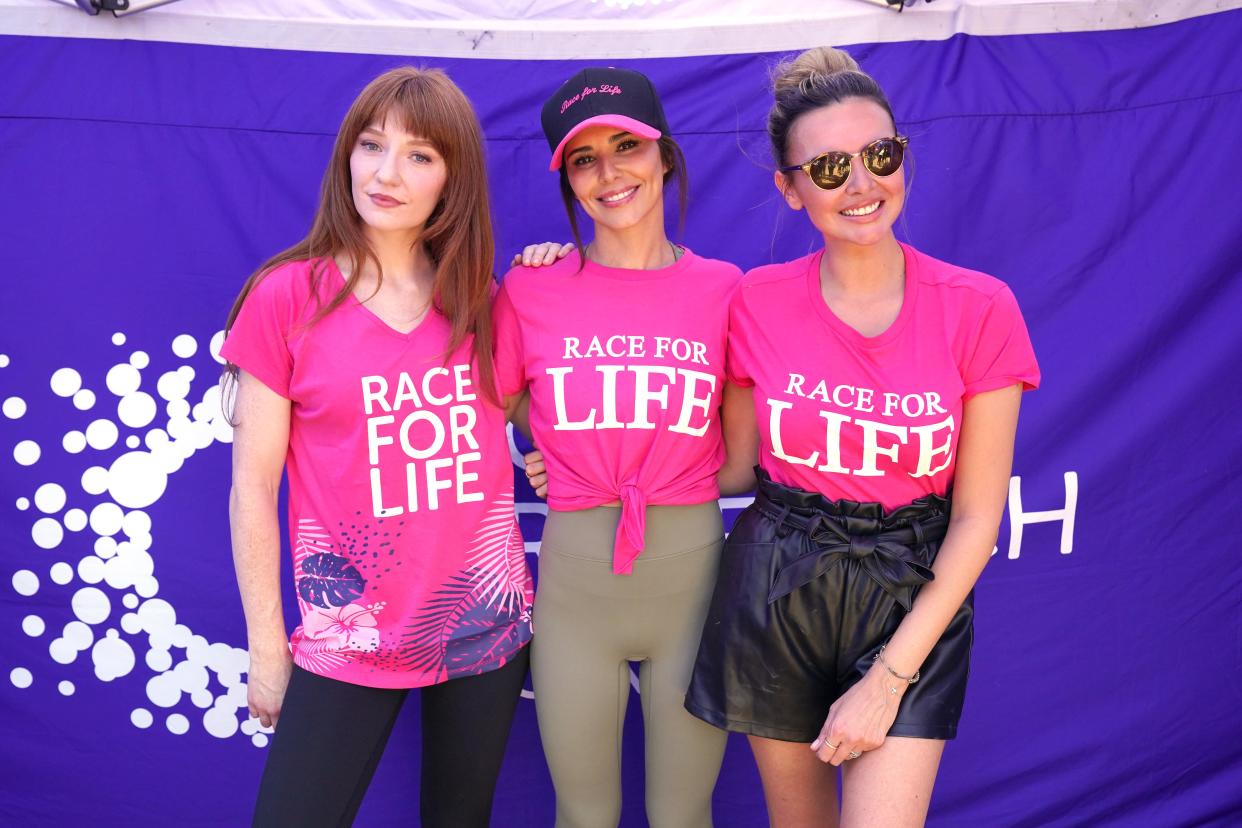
{"points": [[885, 389]]}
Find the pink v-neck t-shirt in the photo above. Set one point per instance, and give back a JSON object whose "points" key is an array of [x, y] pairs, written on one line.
{"points": [[625, 370], [407, 559], [872, 418]]}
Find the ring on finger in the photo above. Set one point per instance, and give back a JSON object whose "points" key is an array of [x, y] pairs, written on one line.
{"points": [[854, 754], [830, 744]]}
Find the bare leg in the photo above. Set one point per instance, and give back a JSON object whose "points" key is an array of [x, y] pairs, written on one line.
{"points": [[891, 786], [800, 790]]}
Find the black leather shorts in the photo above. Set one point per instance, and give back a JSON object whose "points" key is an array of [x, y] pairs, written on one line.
{"points": [[809, 589]]}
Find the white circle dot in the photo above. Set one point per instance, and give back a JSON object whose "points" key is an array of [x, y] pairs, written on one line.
{"points": [[61, 573], [66, 382], [131, 623], [75, 520], [62, 651], [91, 569], [220, 722], [132, 441], [4, 360], [91, 605], [33, 626], [50, 498], [47, 533], [184, 346], [25, 582], [178, 409], [137, 410], [84, 400], [136, 479], [259, 740], [147, 587], [66, 688], [106, 519], [217, 342], [101, 434], [26, 453], [123, 379], [74, 442], [159, 660], [14, 407], [95, 480], [130, 600], [140, 717], [105, 547], [202, 698], [139, 359], [23, 503], [20, 677], [177, 724]]}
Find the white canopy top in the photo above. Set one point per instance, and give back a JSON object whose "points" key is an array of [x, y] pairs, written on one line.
{"points": [[579, 29]]}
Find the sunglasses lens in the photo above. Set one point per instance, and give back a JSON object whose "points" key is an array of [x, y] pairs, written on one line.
{"points": [[884, 157], [830, 170]]}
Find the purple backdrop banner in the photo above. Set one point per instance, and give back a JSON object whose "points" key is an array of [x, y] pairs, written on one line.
{"points": [[1096, 173]]}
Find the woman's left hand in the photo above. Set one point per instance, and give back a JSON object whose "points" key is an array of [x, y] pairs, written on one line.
{"points": [[536, 474], [860, 719], [539, 255]]}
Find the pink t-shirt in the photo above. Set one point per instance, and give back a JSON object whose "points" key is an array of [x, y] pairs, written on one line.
{"points": [[625, 370], [872, 419], [408, 563]]}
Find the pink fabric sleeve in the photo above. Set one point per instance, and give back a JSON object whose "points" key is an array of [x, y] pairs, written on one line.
{"points": [[258, 342], [1002, 353], [738, 352], [510, 356]]}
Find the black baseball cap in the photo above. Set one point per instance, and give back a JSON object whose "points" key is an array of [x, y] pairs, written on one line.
{"points": [[602, 95]]}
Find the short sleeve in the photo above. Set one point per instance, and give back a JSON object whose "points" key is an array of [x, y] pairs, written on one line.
{"points": [[258, 342], [1002, 354], [739, 354], [509, 353]]}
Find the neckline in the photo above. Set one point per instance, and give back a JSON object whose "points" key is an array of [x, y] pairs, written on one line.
{"points": [[909, 296], [627, 274], [352, 301]]}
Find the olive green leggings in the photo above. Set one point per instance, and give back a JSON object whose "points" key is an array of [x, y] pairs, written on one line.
{"points": [[589, 623]]}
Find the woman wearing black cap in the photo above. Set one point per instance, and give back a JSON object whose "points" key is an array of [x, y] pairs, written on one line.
{"points": [[622, 351]]}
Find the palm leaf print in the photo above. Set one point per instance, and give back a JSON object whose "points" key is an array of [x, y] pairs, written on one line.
{"points": [[310, 539], [498, 558], [422, 647], [315, 656]]}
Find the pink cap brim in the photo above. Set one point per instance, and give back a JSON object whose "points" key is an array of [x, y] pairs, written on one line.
{"points": [[620, 121]]}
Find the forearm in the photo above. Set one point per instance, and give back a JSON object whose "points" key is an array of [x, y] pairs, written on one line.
{"points": [[736, 478], [256, 559], [518, 410]]}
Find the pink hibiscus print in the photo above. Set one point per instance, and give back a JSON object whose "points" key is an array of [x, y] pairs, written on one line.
{"points": [[351, 627]]}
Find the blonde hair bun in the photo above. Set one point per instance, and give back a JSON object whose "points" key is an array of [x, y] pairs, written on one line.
{"points": [[820, 62]]}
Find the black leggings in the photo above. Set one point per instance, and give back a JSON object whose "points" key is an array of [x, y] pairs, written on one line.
{"points": [[331, 735]]}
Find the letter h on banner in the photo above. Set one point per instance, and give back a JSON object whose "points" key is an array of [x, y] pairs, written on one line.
{"points": [[1019, 518]]}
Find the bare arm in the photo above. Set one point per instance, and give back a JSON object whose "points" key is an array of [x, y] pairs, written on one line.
{"points": [[260, 443], [517, 411], [741, 439], [863, 715]]}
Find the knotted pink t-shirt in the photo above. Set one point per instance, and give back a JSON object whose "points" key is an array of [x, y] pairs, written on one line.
{"points": [[872, 418], [407, 559], [625, 370]]}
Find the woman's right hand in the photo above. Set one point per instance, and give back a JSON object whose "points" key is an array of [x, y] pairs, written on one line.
{"points": [[539, 255], [266, 682], [536, 474]]}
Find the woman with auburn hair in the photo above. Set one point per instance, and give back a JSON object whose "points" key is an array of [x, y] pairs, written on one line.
{"points": [[362, 362], [886, 387]]}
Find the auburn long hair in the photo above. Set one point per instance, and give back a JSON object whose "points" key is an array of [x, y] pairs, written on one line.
{"points": [[458, 234]]}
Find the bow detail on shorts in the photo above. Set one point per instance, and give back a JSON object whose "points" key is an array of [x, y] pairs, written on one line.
{"points": [[885, 557]]}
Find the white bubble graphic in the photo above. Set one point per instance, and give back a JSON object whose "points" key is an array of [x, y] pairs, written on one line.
{"points": [[177, 409], [130, 600], [74, 442], [101, 434], [47, 533], [62, 652], [105, 547], [33, 626], [75, 520], [159, 660], [202, 698], [250, 726], [106, 519], [259, 740], [21, 677], [217, 342], [220, 722], [95, 480], [84, 400], [26, 453], [78, 635], [25, 582], [141, 718], [14, 408], [136, 480], [184, 346], [123, 379], [91, 605], [136, 522], [162, 690], [50, 498], [91, 569], [66, 382], [177, 724], [4, 360], [66, 688], [112, 657], [139, 359], [61, 573], [173, 385], [22, 503], [132, 441], [130, 624], [137, 409]]}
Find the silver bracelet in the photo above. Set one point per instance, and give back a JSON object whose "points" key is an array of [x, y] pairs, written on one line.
{"points": [[879, 656]]}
